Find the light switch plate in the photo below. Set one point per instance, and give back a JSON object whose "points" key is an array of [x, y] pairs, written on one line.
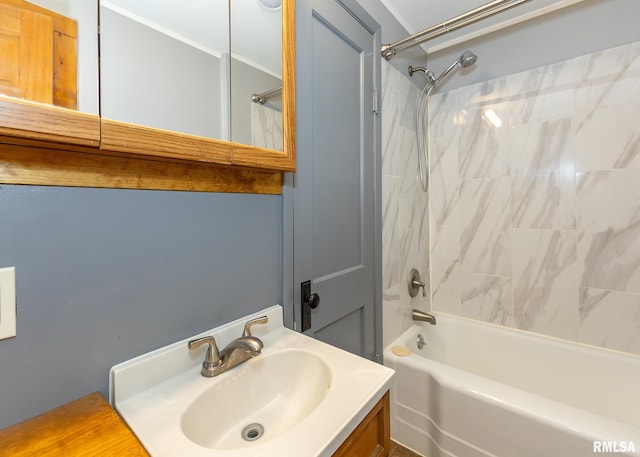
{"points": [[7, 302]]}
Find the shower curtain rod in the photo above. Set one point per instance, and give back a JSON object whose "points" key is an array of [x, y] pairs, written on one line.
{"points": [[263, 97], [388, 51]]}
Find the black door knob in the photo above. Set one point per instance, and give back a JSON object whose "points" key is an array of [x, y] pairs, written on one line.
{"points": [[314, 301]]}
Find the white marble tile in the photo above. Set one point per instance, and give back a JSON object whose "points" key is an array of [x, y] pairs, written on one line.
{"points": [[445, 270], [483, 148], [610, 63], [540, 147], [543, 175], [408, 96], [547, 206], [443, 111], [545, 282], [396, 313], [546, 201], [487, 298], [445, 183], [609, 138], [492, 91], [609, 229], [610, 319], [485, 210], [405, 223], [399, 144], [391, 250], [609, 79], [543, 93], [388, 117], [407, 164]]}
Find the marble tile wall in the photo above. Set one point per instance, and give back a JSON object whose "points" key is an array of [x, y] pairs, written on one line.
{"points": [[536, 223], [405, 224]]}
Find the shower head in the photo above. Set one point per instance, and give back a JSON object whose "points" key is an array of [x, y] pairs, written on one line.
{"points": [[467, 59]]}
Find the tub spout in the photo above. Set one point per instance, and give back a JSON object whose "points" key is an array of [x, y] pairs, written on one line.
{"points": [[418, 315]]}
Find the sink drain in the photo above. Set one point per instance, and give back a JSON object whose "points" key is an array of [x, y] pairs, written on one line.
{"points": [[252, 432]]}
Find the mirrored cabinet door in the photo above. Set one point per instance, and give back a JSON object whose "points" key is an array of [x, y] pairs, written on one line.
{"points": [[49, 69], [256, 72], [164, 64]]}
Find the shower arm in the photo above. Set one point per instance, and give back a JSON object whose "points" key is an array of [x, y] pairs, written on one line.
{"points": [[388, 51]]}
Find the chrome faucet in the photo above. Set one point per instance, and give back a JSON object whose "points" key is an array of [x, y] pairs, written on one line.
{"points": [[418, 315], [238, 351]]}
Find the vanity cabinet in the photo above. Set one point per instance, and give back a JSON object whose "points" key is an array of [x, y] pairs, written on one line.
{"points": [[371, 438], [56, 141], [87, 426]]}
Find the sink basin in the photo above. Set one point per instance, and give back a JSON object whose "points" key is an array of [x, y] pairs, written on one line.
{"points": [[300, 397], [258, 401]]}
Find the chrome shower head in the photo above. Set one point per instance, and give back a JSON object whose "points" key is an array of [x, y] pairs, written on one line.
{"points": [[467, 59]]}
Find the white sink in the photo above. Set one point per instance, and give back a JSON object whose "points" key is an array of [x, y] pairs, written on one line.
{"points": [[259, 400], [300, 397]]}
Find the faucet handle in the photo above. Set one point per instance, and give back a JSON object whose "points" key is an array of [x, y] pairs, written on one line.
{"points": [[252, 322], [415, 284], [213, 354]]}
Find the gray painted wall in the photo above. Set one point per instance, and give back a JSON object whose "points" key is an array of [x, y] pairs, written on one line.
{"points": [[104, 275]]}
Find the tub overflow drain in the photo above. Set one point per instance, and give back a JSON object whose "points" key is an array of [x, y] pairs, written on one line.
{"points": [[252, 432]]}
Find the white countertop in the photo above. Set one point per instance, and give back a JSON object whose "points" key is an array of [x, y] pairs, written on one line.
{"points": [[151, 393]]}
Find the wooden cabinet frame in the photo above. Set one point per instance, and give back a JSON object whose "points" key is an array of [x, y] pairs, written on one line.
{"points": [[47, 145]]}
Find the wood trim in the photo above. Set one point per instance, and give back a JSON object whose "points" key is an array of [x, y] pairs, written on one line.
{"points": [[41, 144], [41, 122], [53, 167], [372, 437], [138, 139], [267, 158], [289, 79], [87, 426]]}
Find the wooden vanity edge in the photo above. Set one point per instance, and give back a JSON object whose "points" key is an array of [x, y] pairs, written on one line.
{"points": [[87, 426]]}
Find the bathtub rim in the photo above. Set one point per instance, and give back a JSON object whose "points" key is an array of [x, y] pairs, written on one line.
{"points": [[591, 425]]}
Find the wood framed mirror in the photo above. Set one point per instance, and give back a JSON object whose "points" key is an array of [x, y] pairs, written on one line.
{"points": [[174, 85], [46, 144]]}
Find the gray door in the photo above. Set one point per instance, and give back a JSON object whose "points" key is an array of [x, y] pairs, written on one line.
{"points": [[334, 190]]}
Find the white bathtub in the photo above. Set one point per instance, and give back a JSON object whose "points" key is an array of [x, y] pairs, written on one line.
{"points": [[481, 390]]}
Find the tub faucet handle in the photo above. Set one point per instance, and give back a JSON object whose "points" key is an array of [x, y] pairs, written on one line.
{"points": [[415, 284]]}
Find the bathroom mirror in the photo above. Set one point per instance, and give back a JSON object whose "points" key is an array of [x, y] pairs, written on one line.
{"points": [[49, 52], [164, 64], [256, 73], [192, 67]]}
